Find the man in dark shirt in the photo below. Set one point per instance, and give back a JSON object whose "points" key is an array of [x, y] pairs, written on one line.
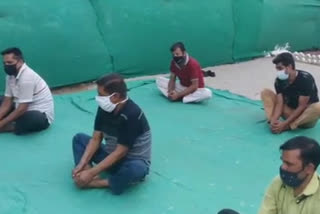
{"points": [[296, 99], [126, 153], [191, 87]]}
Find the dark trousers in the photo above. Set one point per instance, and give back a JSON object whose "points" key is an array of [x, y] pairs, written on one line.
{"points": [[30, 121], [122, 175]]}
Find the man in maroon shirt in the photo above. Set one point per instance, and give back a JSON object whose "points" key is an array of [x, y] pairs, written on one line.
{"points": [[188, 70]]}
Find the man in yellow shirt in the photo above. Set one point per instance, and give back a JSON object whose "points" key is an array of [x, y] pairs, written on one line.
{"points": [[297, 189]]}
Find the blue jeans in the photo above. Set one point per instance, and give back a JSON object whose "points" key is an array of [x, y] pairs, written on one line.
{"points": [[122, 174]]}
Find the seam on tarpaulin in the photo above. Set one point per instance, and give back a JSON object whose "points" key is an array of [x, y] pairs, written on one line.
{"points": [[79, 107], [235, 57], [240, 99], [101, 33], [76, 105], [178, 184], [234, 29], [309, 4], [142, 84]]}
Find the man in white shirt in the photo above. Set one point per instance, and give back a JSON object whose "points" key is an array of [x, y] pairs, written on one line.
{"points": [[28, 103]]}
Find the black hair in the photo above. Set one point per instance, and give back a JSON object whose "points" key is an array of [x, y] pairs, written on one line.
{"points": [[309, 149], [177, 45], [228, 211], [286, 59], [15, 51], [113, 83]]}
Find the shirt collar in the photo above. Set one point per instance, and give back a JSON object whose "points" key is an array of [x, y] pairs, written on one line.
{"points": [[312, 187], [23, 67], [125, 101], [187, 59]]}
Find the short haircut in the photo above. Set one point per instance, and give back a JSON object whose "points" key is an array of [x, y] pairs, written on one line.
{"points": [[177, 45], [228, 211], [286, 59], [113, 83], [15, 51], [309, 149]]}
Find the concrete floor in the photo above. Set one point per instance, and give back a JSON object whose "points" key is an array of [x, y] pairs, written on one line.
{"points": [[247, 78], [91, 85]]}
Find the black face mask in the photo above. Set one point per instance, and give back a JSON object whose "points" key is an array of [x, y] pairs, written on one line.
{"points": [[291, 179], [180, 60], [11, 70]]}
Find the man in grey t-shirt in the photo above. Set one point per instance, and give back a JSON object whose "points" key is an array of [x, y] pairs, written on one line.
{"points": [[126, 151], [28, 104]]}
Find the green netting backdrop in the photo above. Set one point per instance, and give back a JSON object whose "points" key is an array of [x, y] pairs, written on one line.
{"points": [[73, 41]]}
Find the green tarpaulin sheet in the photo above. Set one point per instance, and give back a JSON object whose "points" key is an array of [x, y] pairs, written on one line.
{"points": [[205, 157]]}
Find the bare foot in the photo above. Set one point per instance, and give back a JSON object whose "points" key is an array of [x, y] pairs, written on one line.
{"points": [[96, 177], [98, 183], [8, 128]]}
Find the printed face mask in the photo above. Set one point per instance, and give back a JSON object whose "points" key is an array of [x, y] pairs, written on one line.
{"points": [[291, 179]]}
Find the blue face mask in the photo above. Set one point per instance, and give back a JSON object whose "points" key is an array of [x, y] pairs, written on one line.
{"points": [[282, 75], [291, 179]]}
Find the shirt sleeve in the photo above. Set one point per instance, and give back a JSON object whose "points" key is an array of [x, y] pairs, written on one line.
{"points": [[269, 203], [195, 69], [172, 67], [306, 86], [8, 91], [25, 92], [277, 87], [98, 120], [128, 132]]}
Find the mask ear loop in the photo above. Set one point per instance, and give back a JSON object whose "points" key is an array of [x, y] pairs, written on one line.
{"points": [[126, 99], [304, 165], [303, 168], [112, 94]]}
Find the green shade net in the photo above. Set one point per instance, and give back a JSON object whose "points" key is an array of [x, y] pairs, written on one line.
{"points": [[206, 157], [73, 41], [60, 39]]}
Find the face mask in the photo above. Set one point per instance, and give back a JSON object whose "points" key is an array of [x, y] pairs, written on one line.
{"points": [[179, 60], [11, 70], [282, 75], [291, 179], [105, 103]]}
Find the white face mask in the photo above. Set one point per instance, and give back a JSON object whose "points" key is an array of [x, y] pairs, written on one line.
{"points": [[105, 103], [282, 75]]}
